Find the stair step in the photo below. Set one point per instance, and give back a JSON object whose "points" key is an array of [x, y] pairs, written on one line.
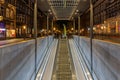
{"points": [[63, 66]]}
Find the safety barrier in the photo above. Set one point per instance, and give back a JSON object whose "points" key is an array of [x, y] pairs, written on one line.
{"points": [[17, 60], [81, 69], [46, 68], [105, 57]]}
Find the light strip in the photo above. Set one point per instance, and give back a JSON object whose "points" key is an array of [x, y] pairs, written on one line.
{"points": [[2, 29]]}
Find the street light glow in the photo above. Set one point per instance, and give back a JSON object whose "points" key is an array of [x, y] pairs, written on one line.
{"points": [[54, 28], [24, 27], [72, 29]]}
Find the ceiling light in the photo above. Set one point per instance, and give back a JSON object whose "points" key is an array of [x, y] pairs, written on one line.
{"points": [[75, 13], [77, 10], [49, 10]]}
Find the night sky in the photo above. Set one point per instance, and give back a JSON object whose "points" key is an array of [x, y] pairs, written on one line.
{"points": [[61, 22]]}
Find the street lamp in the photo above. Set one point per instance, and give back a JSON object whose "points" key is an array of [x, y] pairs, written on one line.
{"points": [[72, 29], [54, 28], [24, 31], [24, 27]]}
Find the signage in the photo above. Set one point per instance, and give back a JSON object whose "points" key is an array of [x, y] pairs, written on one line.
{"points": [[2, 25]]}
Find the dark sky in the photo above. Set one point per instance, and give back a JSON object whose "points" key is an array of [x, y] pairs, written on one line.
{"points": [[61, 22]]}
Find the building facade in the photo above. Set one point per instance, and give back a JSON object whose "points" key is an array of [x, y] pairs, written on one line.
{"points": [[16, 18], [8, 21], [107, 16], [24, 17]]}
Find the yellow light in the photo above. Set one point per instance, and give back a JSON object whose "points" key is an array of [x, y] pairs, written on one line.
{"points": [[82, 29], [24, 27], [94, 28], [102, 27], [72, 29], [2, 1], [54, 28], [1, 18]]}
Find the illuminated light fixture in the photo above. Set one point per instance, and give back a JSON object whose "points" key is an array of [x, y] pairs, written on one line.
{"points": [[75, 13], [2, 29], [77, 10], [51, 13], [72, 29], [54, 28], [49, 10], [102, 27], [1, 18], [88, 29], [24, 27], [94, 28]]}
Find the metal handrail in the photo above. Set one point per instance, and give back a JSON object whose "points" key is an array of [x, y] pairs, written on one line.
{"points": [[45, 58], [85, 63]]}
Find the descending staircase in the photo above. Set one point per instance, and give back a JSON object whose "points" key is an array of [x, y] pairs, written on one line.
{"points": [[63, 66]]}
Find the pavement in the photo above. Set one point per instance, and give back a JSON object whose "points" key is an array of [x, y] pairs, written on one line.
{"points": [[10, 41]]}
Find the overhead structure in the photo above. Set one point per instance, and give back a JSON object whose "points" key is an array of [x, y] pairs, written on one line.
{"points": [[63, 9]]}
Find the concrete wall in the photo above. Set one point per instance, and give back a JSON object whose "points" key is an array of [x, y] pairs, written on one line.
{"points": [[106, 58], [17, 61]]}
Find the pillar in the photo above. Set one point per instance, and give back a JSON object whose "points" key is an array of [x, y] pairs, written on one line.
{"points": [[117, 27]]}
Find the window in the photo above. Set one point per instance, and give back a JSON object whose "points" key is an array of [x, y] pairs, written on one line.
{"points": [[7, 12]]}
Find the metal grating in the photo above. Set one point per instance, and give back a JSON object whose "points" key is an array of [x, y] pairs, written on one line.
{"points": [[63, 9]]}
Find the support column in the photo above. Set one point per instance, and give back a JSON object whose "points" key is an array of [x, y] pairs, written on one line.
{"points": [[47, 29], [117, 27], [47, 23], [91, 34], [79, 25], [108, 28], [74, 26], [52, 26], [35, 32]]}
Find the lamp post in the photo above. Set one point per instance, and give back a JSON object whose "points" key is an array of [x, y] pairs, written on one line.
{"points": [[24, 32]]}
